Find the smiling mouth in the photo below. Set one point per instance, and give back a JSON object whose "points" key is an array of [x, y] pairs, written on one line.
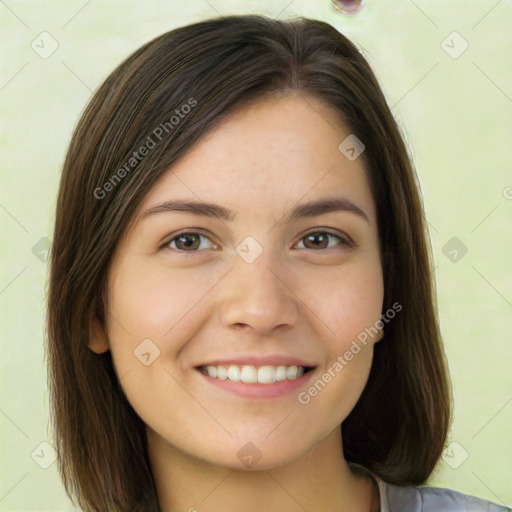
{"points": [[249, 374]]}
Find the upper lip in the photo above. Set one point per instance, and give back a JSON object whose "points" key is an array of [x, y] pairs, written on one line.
{"points": [[257, 361]]}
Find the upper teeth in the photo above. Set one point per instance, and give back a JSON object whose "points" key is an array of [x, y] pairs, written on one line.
{"points": [[251, 374]]}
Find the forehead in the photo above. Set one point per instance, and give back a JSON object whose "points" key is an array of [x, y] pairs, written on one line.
{"points": [[267, 157]]}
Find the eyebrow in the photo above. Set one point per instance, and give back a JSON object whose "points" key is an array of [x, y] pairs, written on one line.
{"points": [[216, 211]]}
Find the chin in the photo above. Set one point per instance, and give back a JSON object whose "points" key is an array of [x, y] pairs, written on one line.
{"points": [[260, 454]]}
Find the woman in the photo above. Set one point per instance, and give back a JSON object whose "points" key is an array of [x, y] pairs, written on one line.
{"points": [[241, 314]]}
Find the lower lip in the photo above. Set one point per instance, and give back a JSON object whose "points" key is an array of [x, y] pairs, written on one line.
{"points": [[257, 390]]}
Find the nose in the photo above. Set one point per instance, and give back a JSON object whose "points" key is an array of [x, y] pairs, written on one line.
{"points": [[259, 298]]}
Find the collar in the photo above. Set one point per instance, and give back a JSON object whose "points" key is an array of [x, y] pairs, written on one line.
{"points": [[378, 483]]}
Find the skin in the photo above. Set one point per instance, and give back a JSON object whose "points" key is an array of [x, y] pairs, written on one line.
{"points": [[298, 298]]}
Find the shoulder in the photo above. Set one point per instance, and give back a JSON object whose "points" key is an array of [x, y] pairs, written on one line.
{"points": [[432, 499]]}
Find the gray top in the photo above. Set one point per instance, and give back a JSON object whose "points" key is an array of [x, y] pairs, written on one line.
{"points": [[424, 498]]}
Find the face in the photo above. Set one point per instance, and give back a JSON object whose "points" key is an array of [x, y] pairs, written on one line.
{"points": [[258, 294]]}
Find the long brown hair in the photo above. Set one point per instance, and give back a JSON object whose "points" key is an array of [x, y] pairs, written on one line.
{"points": [[398, 427]]}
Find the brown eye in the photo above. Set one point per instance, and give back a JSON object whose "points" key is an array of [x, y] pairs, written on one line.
{"points": [[320, 240], [186, 242]]}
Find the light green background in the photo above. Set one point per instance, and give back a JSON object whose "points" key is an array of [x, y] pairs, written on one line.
{"points": [[456, 115]]}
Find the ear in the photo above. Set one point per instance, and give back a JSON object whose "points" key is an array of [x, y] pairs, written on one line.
{"points": [[98, 340], [381, 335]]}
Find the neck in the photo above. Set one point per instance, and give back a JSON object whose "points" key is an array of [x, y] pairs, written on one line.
{"points": [[320, 480]]}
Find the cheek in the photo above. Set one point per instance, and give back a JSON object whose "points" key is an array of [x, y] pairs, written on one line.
{"points": [[149, 302], [350, 306], [346, 301], [141, 310], [152, 311], [332, 396]]}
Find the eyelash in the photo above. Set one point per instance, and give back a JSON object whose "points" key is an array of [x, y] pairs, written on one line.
{"points": [[343, 242]]}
